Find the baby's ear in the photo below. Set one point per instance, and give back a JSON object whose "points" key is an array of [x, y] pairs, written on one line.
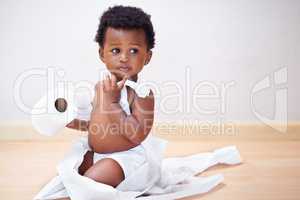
{"points": [[149, 55], [101, 54]]}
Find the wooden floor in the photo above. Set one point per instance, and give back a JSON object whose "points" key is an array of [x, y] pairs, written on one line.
{"points": [[271, 168]]}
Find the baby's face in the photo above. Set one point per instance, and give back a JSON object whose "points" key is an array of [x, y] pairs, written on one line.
{"points": [[125, 52]]}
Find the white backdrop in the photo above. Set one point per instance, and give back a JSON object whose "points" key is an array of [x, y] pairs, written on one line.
{"points": [[201, 47]]}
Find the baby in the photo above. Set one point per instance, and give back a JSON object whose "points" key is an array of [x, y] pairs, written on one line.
{"points": [[125, 36]]}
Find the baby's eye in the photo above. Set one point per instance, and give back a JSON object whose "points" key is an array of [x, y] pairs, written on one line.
{"points": [[115, 50], [133, 51]]}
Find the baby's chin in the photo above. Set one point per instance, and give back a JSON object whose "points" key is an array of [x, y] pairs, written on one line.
{"points": [[121, 75]]}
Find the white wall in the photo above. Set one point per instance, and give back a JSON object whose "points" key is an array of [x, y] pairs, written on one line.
{"points": [[214, 41]]}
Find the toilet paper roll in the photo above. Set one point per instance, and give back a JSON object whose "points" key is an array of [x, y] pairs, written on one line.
{"points": [[59, 106], [54, 110], [82, 101]]}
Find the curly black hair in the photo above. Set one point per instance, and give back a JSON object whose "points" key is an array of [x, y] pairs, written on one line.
{"points": [[125, 17]]}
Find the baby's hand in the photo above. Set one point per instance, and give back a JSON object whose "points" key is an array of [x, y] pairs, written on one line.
{"points": [[108, 91], [78, 124]]}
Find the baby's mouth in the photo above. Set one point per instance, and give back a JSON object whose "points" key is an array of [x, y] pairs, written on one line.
{"points": [[121, 71], [124, 68]]}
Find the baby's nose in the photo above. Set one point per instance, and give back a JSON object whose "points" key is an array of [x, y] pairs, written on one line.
{"points": [[124, 57]]}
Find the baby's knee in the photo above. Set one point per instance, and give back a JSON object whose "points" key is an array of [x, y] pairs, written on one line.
{"points": [[106, 171]]}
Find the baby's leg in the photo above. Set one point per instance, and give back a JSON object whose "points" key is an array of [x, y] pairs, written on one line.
{"points": [[86, 163], [106, 171]]}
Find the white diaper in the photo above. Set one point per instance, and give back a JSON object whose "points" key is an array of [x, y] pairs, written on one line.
{"points": [[129, 160]]}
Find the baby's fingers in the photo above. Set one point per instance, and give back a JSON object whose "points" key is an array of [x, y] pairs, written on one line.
{"points": [[107, 83], [71, 124], [122, 83], [113, 81]]}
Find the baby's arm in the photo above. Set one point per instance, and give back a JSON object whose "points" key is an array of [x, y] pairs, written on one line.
{"points": [[125, 131], [135, 127], [138, 125]]}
